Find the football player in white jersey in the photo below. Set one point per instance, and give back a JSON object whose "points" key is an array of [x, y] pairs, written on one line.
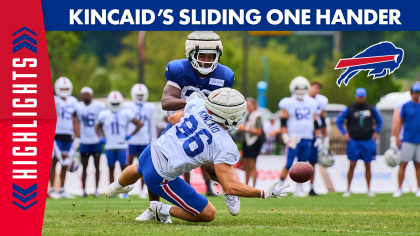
{"points": [[144, 112], [321, 102], [87, 113], [200, 137], [199, 72], [64, 133], [299, 122], [113, 122]]}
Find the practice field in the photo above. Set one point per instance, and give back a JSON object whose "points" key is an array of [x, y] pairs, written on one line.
{"points": [[323, 215]]}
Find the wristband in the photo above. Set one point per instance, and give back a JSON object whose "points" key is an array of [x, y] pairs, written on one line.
{"points": [[262, 194]]}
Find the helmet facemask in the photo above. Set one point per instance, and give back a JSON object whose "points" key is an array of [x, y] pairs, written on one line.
{"points": [[301, 92], [206, 66]]}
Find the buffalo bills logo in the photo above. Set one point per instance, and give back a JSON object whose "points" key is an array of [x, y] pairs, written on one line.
{"points": [[380, 59]]}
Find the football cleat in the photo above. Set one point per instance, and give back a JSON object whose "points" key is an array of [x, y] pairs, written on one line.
{"points": [[233, 204], [96, 194], [112, 190], [146, 215], [54, 195], [155, 207], [66, 195], [312, 193], [124, 196], [347, 194], [370, 193], [418, 193], [142, 195], [398, 193]]}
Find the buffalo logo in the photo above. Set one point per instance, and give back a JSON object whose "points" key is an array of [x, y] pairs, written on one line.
{"points": [[378, 59]]}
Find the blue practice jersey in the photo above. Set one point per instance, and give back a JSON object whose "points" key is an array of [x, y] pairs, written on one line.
{"points": [[410, 112], [180, 74]]}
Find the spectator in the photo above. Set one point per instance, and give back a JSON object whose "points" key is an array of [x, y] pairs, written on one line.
{"points": [[271, 129], [360, 136], [251, 145], [410, 146]]}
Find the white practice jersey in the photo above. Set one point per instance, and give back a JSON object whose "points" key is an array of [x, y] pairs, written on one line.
{"points": [[194, 141], [399, 104], [65, 110], [115, 127], [144, 113], [301, 116], [87, 116], [321, 103]]}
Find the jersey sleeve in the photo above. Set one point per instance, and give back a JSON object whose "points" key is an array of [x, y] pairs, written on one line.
{"points": [[174, 74], [129, 115], [226, 157], [230, 80], [403, 112], [193, 103], [101, 117], [284, 103], [323, 102]]}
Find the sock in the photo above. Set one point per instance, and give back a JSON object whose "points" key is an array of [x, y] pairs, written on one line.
{"points": [[61, 190], [281, 182], [117, 184], [208, 184], [52, 190], [312, 186], [165, 209]]}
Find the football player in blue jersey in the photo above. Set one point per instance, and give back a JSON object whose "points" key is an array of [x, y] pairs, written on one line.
{"points": [[198, 75]]}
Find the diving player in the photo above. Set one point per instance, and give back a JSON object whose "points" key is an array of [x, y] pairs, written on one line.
{"points": [[299, 122], [321, 102], [200, 137], [113, 122], [200, 72], [64, 134], [87, 113], [144, 112]]}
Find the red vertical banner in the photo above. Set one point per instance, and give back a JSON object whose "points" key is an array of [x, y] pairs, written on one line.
{"points": [[27, 117]]}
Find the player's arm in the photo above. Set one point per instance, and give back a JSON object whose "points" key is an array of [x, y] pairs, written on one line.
{"points": [[340, 119], [323, 123], [231, 186], [98, 129], [176, 117], [171, 98], [76, 126], [138, 125], [284, 115], [316, 126]]}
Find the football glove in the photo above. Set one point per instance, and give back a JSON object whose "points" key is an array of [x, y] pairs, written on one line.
{"points": [[127, 137], [102, 140], [274, 191], [318, 143], [393, 143], [194, 95], [74, 146]]}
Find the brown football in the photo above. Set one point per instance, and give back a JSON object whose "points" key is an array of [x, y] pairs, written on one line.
{"points": [[301, 172]]}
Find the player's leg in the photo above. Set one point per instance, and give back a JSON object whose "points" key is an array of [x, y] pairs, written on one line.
{"points": [[353, 153], [85, 160], [245, 163], [187, 177], [97, 151], [207, 215], [142, 192], [112, 159], [64, 153], [368, 153], [290, 154], [368, 175], [52, 192], [313, 159], [207, 179], [304, 149], [253, 170], [123, 158], [417, 166]]}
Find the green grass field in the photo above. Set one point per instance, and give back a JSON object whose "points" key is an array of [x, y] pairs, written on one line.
{"points": [[323, 215]]}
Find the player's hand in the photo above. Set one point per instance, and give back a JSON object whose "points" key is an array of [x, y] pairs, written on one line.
{"points": [[241, 128], [398, 142], [275, 191], [347, 136], [127, 137], [102, 140], [374, 136], [393, 143], [318, 143], [198, 94]]}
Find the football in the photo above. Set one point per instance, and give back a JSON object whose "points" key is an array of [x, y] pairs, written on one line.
{"points": [[301, 172]]}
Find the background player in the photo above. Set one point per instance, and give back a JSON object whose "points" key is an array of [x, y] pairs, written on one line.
{"points": [[199, 138], [87, 113], [321, 102], [360, 136], [410, 146], [144, 112], [299, 122], [200, 72], [113, 122], [66, 121]]}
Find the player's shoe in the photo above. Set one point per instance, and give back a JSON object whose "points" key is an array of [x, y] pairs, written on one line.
{"points": [[83, 194], [398, 193], [155, 207], [312, 193], [96, 194], [54, 195], [112, 190], [233, 204], [370, 193], [142, 195], [347, 194], [146, 215], [418, 193], [211, 194], [299, 194], [124, 196], [65, 194]]}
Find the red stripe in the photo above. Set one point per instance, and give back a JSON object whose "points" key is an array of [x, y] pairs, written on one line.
{"points": [[115, 95], [180, 202], [140, 87], [344, 63]]}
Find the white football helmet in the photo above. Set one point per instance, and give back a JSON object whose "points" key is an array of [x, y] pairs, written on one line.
{"points": [[115, 101], [392, 157], [63, 87], [226, 106], [139, 93], [326, 159], [203, 42], [299, 86]]}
